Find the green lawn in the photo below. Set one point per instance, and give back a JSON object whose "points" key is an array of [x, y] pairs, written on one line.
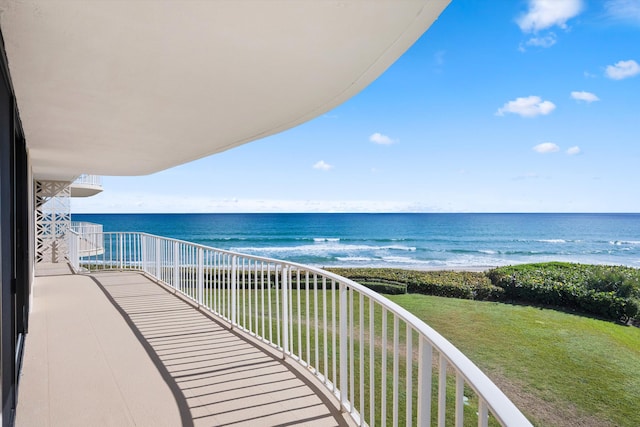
{"points": [[559, 368]]}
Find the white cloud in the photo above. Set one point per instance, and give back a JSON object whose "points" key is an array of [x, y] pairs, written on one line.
{"points": [[574, 150], [381, 139], [623, 10], [543, 14], [322, 165], [528, 175], [546, 147], [622, 69], [438, 57], [584, 96], [544, 41], [530, 106]]}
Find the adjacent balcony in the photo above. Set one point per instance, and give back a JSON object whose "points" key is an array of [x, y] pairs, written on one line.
{"points": [[85, 240], [86, 186], [215, 337]]}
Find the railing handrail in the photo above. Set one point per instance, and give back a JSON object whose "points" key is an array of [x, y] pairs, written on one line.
{"points": [[501, 407], [87, 179], [78, 224]]}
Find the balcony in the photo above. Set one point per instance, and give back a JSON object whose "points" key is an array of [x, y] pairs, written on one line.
{"points": [[116, 349], [86, 186], [169, 332]]}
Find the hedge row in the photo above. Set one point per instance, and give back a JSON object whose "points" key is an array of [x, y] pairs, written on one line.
{"points": [[385, 288], [612, 292], [466, 285]]}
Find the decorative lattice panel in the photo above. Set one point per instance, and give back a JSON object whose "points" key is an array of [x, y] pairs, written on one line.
{"points": [[53, 220]]}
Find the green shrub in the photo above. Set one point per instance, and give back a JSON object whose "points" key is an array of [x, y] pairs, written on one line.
{"points": [[622, 282], [454, 284], [611, 292], [385, 288]]}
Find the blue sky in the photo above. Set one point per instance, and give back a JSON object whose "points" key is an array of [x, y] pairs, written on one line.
{"points": [[501, 106]]}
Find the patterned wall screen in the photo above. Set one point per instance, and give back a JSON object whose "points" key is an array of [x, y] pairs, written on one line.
{"points": [[53, 220]]}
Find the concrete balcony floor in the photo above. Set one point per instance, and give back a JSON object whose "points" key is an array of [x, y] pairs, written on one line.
{"points": [[116, 349]]}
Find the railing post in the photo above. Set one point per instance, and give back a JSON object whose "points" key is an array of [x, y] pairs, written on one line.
{"points": [[121, 238], [73, 242], [285, 311], [459, 400], [425, 366], [176, 265], [483, 413], [158, 258], [343, 346], [234, 289], [77, 254], [442, 390], [143, 250], [200, 270], [99, 243]]}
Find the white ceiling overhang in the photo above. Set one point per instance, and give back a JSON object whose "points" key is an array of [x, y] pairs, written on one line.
{"points": [[133, 87]]}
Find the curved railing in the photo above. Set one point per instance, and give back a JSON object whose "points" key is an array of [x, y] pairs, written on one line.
{"points": [[86, 186], [90, 240], [382, 363], [85, 179]]}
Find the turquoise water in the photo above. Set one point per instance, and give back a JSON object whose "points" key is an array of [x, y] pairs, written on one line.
{"points": [[401, 240]]}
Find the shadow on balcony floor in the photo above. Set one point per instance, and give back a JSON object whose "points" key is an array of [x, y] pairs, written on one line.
{"points": [[142, 356]]}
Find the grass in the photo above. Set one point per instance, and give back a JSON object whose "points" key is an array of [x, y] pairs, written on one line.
{"points": [[559, 368]]}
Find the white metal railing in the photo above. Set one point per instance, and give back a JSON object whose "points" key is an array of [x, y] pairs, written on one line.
{"points": [[382, 363], [73, 243], [84, 179], [91, 240]]}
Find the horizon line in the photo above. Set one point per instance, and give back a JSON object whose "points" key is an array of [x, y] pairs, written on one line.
{"points": [[363, 213]]}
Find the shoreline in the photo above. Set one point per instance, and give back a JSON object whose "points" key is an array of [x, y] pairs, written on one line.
{"points": [[471, 269], [467, 268], [460, 269]]}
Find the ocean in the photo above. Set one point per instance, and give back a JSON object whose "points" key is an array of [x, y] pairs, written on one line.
{"points": [[417, 241]]}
